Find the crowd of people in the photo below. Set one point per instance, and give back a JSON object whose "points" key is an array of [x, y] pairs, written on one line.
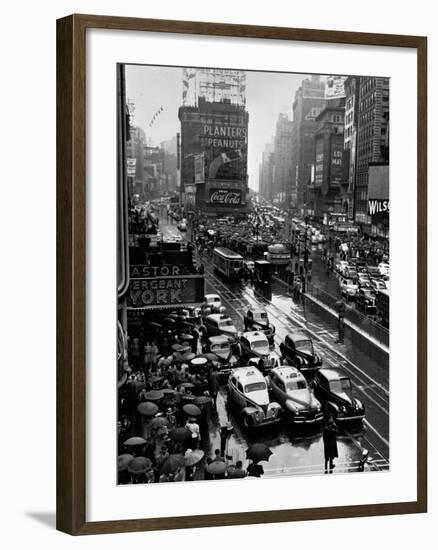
{"points": [[167, 403]]}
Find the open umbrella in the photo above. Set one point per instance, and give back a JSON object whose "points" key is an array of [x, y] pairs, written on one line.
{"points": [[135, 385], [208, 356], [168, 391], [123, 462], [177, 347], [146, 408], [155, 379], [180, 434], [202, 400], [153, 395], [188, 356], [216, 467], [172, 463], [191, 410], [184, 348], [193, 457], [140, 465], [199, 361], [258, 452], [187, 385], [169, 321], [186, 337], [136, 440]]}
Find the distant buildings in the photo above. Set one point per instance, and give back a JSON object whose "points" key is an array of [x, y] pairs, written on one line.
{"points": [[336, 152]]}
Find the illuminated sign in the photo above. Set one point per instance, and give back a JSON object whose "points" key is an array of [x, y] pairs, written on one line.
{"points": [[226, 197]]}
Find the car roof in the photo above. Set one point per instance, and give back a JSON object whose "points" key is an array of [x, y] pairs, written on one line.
{"points": [[256, 310], [254, 335], [212, 296], [220, 339], [333, 373], [248, 374], [287, 372], [217, 317]]}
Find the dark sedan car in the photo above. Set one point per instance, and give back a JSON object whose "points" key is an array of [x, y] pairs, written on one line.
{"points": [[366, 300], [297, 349], [334, 389]]}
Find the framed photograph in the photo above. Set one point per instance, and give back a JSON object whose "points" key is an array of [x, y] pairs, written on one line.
{"points": [[241, 274]]}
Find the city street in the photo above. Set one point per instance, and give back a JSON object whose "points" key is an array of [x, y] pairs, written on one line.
{"points": [[303, 448]]}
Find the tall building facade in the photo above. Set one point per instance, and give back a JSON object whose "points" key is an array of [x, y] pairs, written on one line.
{"points": [[282, 181], [327, 190], [214, 141], [372, 140], [308, 103], [351, 86]]}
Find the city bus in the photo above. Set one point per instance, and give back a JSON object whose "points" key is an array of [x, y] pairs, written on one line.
{"points": [[382, 306], [227, 263]]}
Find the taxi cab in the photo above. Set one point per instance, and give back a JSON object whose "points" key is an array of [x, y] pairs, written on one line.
{"points": [[290, 389], [248, 393], [220, 346], [256, 350], [256, 319], [218, 323]]}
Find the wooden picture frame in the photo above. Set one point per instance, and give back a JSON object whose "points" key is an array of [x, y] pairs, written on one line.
{"points": [[71, 273]]}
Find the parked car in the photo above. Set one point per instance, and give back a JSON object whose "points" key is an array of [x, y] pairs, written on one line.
{"points": [[257, 319], [248, 393], [289, 388], [218, 323], [348, 288], [350, 272], [363, 280], [213, 302], [378, 284], [256, 351], [220, 346], [333, 388], [297, 350], [366, 300], [373, 272], [340, 267], [383, 267]]}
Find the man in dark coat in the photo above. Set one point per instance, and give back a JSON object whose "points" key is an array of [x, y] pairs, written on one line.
{"points": [[213, 385], [330, 444]]}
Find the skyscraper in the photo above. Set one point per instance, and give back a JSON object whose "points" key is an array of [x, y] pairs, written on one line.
{"points": [[372, 138], [308, 103]]}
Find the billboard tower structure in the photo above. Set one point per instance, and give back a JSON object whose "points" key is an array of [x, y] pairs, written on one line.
{"points": [[214, 141]]}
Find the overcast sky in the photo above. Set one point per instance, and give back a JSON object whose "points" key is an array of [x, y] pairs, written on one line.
{"points": [[267, 95]]}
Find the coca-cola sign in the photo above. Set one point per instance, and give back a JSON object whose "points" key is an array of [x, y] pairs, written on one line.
{"points": [[231, 197]]}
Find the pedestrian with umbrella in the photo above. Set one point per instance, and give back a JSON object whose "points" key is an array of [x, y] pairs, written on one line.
{"points": [[329, 434], [257, 453]]}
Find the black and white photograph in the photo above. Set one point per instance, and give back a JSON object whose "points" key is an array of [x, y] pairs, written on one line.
{"points": [[253, 274]]}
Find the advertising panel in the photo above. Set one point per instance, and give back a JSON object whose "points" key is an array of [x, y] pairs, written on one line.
{"points": [[199, 168], [225, 197], [154, 292], [336, 155], [378, 192]]}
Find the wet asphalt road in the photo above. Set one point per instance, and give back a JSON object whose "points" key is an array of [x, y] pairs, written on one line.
{"points": [[300, 451]]}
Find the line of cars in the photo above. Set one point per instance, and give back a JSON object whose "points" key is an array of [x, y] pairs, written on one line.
{"points": [[362, 283], [265, 386]]}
